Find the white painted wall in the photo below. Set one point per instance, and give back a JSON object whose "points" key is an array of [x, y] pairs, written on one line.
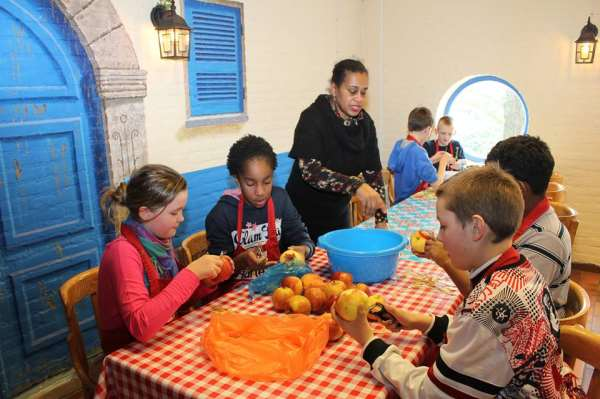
{"points": [[426, 49], [414, 54], [291, 47]]}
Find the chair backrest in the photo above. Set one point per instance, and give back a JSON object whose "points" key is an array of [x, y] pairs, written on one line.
{"points": [[72, 292], [356, 215], [568, 217], [388, 181], [556, 192], [577, 306], [557, 177], [195, 246], [583, 344]]}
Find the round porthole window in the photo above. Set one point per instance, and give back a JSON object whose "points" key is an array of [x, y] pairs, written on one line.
{"points": [[485, 110]]}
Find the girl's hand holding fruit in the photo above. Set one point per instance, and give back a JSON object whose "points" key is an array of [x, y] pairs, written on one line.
{"points": [[206, 267], [295, 254]]}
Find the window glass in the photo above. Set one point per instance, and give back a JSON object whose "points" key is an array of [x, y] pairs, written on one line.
{"points": [[485, 110]]}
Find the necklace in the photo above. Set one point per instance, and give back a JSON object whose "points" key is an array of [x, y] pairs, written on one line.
{"points": [[346, 122]]}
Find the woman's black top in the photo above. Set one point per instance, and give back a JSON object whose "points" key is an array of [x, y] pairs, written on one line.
{"points": [[348, 148]]}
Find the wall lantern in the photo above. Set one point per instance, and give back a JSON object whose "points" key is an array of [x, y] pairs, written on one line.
{"points": [[173, 32], [586, 44]]}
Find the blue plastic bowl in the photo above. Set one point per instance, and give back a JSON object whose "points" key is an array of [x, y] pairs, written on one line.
{"points": [[370, 255]]}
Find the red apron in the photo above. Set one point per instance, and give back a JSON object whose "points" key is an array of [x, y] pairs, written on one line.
{"points": [[272, 245], [423, 185], [115, 339], [437, 148]]}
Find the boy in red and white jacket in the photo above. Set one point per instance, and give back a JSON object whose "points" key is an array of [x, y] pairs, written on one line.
{"points": [[503, 339]]}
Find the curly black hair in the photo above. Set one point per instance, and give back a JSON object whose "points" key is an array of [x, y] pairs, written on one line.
{"points": [[246, 148], [527, 159]]}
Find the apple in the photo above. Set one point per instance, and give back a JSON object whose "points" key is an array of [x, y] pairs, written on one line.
{"points": [[418, 240], [312, 280], [299, 304], [343, 276], [292, 258], [363, 287], [347, 303], [317, 298], [227, 269], [335, 331], [281, 297], [294, 283], [332, 289]]}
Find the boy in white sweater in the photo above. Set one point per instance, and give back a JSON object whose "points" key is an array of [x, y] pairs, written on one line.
{"points": [[503, 339]]}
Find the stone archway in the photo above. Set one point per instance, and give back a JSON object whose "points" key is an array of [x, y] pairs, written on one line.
{"points": [[120, 82]]}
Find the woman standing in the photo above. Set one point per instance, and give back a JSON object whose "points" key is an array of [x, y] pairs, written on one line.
{"points": [[336, 155]]}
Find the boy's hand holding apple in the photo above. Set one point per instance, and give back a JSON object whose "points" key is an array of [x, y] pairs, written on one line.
{"points": [[418, 241], [358, 328], [425, 245]]}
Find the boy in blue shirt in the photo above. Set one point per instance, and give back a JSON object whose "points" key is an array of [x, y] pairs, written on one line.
{"points": [[413, 171]]}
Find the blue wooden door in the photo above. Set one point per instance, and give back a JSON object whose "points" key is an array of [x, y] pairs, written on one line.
{"points": [[51, 145]]}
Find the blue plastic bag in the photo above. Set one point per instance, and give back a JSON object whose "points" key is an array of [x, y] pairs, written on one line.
{"points": [[267, 282]]}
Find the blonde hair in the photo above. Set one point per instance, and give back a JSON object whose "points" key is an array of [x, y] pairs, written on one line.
{"points": [[152, 186], [488, 192], [446, 120]]}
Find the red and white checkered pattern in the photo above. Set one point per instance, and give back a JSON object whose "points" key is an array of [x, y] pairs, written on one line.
{"points": [[174, 365]]}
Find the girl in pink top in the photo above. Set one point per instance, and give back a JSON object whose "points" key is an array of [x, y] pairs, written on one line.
{"points": [[140, 286]]}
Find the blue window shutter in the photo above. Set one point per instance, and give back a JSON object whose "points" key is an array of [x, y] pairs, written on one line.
{"points": [[216, 73]]}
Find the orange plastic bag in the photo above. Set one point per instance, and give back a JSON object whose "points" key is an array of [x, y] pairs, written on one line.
{"points": [[265, 348]]}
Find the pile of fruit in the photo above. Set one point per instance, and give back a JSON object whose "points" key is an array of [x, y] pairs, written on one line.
{"points": [[312, 294]]}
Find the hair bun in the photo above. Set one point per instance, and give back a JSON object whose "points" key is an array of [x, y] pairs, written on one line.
{"points": [[119, 195]]}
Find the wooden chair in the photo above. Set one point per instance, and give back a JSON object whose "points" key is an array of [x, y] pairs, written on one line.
{"points": [[580, 343], [356, 215], [195, 246], [388, 181], [577, 306], [556, 192], [568, 217], [557, 177], [72, 292]]}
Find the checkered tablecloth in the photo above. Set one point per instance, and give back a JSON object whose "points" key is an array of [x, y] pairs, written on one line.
{"points": [[174, 365]]}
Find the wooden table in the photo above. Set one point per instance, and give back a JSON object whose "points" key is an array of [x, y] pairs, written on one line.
{"points": [[174, 365]]}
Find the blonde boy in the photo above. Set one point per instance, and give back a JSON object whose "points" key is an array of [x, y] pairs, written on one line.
{"points": [[503, 339], [443, 144]]}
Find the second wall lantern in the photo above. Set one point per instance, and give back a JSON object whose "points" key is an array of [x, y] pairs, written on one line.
{"points": [[586, 44]]}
